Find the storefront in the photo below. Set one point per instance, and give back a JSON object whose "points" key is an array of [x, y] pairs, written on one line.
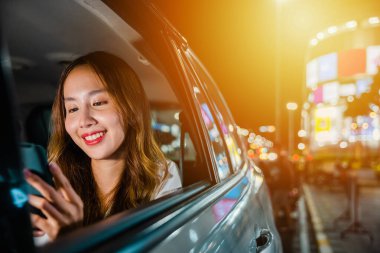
{"points": [[342, 91]]}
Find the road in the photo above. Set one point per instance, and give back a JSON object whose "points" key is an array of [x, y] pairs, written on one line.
{"points": [[326, 204]]}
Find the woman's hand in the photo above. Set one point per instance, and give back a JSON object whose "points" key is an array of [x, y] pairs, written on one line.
{"points": [[62, 207]]}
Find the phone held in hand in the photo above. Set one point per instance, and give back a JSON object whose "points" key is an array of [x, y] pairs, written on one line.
{"points": [[34, 158]]}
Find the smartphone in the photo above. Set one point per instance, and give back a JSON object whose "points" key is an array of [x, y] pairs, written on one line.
{"points": [[34, 158]]}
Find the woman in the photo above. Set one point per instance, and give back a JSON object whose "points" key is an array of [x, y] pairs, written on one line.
{"points": [[102, 152]]}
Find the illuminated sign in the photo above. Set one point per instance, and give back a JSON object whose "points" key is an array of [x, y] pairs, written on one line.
{"points": [[318, 95], [351, 62], [347, 90], [331, 92], [312, 74], [363, 85], [327, 67], [328, 122], [373, 59]]}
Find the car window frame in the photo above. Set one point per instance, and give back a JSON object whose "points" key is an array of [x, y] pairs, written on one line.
{"points": [[218, 102], [213, 108], [14, 210], [189, 70]]}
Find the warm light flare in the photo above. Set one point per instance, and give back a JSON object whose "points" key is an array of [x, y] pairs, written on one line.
{"points": [[291, 106], [332, 29], [374, 20], [351, 24], [313, 42], [301, 146]]}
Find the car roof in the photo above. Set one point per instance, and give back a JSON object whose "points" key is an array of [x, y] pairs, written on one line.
{"points": [[43, 36]]}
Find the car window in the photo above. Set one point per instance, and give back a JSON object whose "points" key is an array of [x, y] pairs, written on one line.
{"points": [[215, 136], [219, 153], [167, 128], [227, 125]]}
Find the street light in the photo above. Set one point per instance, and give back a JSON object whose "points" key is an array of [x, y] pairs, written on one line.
{"points": [[277, 69], [291, 106]]}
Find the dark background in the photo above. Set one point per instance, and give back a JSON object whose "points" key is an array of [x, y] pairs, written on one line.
{"points": [[236, 42]]}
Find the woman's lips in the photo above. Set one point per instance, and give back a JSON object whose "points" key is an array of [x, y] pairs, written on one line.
{"points": [[93, 137]]}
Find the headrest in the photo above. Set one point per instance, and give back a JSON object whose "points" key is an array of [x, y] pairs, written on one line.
{"points": [[38, 125]]}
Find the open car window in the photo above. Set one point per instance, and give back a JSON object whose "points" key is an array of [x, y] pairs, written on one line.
{"points": [[43, 36]]}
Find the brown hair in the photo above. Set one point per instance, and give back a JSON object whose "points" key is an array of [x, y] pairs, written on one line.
{"points": [[143, 158]]}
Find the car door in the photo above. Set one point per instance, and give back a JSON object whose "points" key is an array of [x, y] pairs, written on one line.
{"points": [[239, 222], [266, 233]]}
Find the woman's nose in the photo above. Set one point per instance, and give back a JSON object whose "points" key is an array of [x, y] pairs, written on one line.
{"points": [[86, 118]]}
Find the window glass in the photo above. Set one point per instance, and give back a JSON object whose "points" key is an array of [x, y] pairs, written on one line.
{"points": [[229, 130], [167, 128], [227, 125], [219, 153], [215, 136]]}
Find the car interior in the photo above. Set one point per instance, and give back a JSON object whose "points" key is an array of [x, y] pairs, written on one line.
{"points": [[42, 39]]}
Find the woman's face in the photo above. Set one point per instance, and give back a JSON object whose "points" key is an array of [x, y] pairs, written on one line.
{"points": [[92, 119]]}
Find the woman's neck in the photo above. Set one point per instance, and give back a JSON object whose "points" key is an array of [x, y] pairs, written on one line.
{"points": [[106, 174]]}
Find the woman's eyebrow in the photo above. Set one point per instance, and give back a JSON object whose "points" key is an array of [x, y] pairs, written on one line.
{"points": [[89, 94]]}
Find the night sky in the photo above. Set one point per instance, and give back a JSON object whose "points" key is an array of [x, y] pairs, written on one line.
{"points": [[236, 42]]}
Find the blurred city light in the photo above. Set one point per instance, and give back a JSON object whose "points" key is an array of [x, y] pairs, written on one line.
{"points": [[320, 35], [332, 29], [301, 133], [267, 129], [374, 20], [272, 156], [313, 42], [291, 106], [301, 146], [343, 144], [351, 24]]}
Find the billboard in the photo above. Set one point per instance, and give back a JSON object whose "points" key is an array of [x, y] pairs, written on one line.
{"points": [[373, 59], [351, 62], [312, 74], [331, 92], [318, 95], [328, 122], [327, 67]]}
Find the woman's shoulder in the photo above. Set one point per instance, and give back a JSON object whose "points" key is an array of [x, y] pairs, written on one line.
{"points": [[170, 179]]}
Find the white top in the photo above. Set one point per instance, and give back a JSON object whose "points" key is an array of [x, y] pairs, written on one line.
{"points": [[171, 184]]}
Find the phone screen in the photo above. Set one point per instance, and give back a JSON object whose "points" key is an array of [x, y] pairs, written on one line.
{"points": [[34, 158]]}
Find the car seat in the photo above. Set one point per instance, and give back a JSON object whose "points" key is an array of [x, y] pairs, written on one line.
{"points": [[37, 125]]}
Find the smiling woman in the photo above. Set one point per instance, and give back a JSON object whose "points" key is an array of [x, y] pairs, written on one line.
{"points": [[102, 141]]}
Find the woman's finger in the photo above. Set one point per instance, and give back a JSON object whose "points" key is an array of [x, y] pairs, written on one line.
{"points": [[63, 184], [40, 224], [44, 188], [47, 209], [38, 233]]}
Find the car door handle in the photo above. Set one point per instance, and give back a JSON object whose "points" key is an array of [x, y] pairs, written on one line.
{"points": [[262, 241]]}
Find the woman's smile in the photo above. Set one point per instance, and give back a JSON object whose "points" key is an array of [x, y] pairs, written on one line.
{"points": [[93, 137]]}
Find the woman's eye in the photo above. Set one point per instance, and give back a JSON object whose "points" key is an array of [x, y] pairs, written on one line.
{"points": [[98, 103], [71, 110]]}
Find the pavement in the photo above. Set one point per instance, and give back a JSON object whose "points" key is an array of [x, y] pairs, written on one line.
{"points": [[326, 203]]}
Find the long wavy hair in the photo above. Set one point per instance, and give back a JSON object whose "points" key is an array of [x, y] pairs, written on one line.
{"points": [[145, 164]]}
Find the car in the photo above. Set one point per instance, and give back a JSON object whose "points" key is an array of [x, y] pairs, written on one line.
{"points": [[223, 206]]}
